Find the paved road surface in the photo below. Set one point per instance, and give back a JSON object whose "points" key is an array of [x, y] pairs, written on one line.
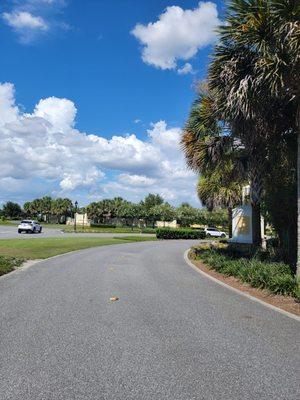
{"points": [[173, 335], [11, 232]]}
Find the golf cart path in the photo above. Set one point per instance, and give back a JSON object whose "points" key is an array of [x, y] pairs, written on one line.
{"points": [[173, 334]]}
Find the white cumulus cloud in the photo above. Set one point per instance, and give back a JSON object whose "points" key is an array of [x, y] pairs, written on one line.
{"points": [[186, 69], [24, 20], [30, 19], [43, 153], [178, 34]]}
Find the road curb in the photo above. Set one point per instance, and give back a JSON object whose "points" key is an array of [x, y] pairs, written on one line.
{"points": [[241, 293]]}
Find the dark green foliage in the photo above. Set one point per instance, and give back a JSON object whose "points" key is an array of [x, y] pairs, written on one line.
{"points": [[148, 230], [169, 233], [274, 276], [103, 225], [8, 264], [11, 210]]}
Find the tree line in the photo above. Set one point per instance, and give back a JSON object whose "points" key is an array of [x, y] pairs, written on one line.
{"points": [[107, 211], [244, 124]]}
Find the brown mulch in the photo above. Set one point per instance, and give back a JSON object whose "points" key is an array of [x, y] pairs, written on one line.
{"points": [[286, 303]]}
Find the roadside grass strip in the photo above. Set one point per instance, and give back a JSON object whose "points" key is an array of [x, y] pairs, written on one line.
{"points": [[96, 229], [32, 249]]}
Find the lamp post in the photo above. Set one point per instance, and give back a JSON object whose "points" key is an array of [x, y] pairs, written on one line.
{"points": [[76, 205]]}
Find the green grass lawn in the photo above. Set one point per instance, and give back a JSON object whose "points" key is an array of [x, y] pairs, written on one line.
{"points": [[95, 229], [31, 249], [7, 222]]}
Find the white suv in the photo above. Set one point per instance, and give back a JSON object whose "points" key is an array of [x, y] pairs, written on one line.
{"points": [[213, 232], [29, 226]]}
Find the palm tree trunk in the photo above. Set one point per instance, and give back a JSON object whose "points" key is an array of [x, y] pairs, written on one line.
{"points": [[256, 225], [229, 210], [255, 194]]}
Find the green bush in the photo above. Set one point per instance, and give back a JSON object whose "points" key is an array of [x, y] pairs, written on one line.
{"points": [[148, 230], [169, 233], [274, 276], [8, 264], [103, 226]]}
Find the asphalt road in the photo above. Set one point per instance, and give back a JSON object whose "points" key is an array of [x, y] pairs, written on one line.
{"points": [[11, 232], [173, 334]]}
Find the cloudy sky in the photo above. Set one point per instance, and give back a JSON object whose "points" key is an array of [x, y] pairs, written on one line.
{"points": [[93, 95]]}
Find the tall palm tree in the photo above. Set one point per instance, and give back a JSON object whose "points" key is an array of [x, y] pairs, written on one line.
{"points": [[221, 188], [46, 202], [256, 63], [211, 151]]}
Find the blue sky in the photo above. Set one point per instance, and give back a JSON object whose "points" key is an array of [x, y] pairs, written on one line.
{"points": [[123, 77]]}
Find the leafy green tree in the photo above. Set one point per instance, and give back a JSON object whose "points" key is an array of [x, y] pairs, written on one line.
{"points": [[186, 215], [129, 211], [11, 210], [218, 217], [162, 212], [152, 200]]}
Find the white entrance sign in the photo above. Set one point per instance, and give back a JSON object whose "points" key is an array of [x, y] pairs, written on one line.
{"points": [[242, 224]]}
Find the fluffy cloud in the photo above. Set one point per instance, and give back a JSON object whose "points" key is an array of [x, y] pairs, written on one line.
{"points": [[43, 153], [24, 20], [32, 18], [177, 35], [186, 69], [136, 180]]}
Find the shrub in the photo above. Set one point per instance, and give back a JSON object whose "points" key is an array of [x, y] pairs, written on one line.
{"points": [[169, 233], [148, 230], [103, 226], [8, 264], [274, 276]]}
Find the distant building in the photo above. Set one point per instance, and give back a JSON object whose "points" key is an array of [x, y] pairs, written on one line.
{"points": [[167, 224], [81, 220]]}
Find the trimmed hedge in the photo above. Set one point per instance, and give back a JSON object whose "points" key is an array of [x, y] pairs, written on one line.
{"points": [[274, 276], [169, 233], [103, 225], [148, 230]]}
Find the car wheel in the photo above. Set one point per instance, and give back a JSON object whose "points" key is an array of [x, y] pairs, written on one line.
{"points": [[223, 236], [40, 229], [33, 231], [19, 231], [208, 235]]}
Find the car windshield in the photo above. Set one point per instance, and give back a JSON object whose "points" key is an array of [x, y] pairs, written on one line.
{"points": [[26, 222]]}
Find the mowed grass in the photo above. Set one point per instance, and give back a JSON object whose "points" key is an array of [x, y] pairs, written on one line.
{"points": [[31, 249], [96, 229], [9, 223]]}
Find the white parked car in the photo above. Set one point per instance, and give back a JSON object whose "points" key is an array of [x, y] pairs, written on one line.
{"points": [[29, 226], [213, 232]]}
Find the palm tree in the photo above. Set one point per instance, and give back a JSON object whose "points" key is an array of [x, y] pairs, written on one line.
{"points": [[211, 151], [61, 208], [221, 189], [256, 64], [46, 202]]}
